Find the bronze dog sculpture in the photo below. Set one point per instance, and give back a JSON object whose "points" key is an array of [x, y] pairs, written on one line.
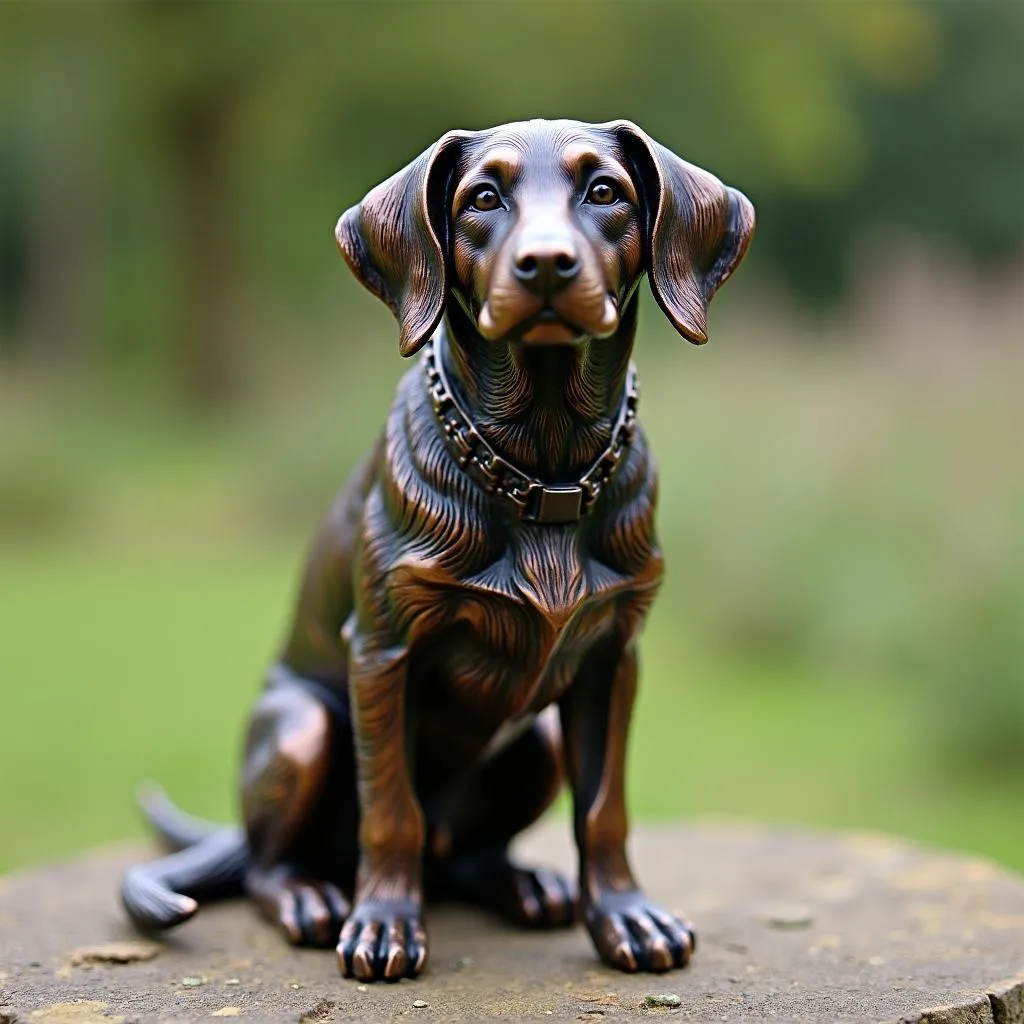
{"points": [[494, 556]]}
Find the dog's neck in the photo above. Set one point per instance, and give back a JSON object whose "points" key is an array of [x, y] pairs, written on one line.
{"points": [[548, 409]]}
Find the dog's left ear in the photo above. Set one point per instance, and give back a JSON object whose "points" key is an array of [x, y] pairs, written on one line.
{"points": [[697, 229], [395, 241]]}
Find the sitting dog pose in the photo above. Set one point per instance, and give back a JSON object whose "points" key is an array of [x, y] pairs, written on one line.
{"points": [[467, 624]]}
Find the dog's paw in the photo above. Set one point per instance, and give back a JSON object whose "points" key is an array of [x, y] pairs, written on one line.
{"points": [[383, 940], [539, 898], [310, 913], [532, 897], [632, 934]]}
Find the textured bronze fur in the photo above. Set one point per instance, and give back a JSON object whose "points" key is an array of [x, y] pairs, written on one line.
{"points": [[441, 645]]}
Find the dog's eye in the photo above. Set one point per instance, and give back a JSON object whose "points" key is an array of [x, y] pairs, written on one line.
{"points": [[602, 193], [485, 199]]}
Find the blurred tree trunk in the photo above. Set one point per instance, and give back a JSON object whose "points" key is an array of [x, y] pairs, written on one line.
{"points": [[206, 356], [62, 231]]}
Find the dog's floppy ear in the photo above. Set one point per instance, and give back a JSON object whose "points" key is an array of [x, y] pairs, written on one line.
{"points": [[697, 229], [396, 240]]}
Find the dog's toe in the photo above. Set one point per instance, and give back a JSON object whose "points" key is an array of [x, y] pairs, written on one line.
{"points": [[382, 940]]}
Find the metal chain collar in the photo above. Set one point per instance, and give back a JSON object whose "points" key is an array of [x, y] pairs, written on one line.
{"points": [[532, 500]]}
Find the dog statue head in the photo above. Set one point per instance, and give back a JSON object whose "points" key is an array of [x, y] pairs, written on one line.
{"points": [[541, 231]]}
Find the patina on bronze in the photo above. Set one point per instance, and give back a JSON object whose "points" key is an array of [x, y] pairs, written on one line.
{"points": [[467, 623]]}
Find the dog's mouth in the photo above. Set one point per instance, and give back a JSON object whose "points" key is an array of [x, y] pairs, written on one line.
{"points": [[550, 326]]}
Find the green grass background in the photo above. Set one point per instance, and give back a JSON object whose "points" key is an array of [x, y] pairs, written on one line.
{"points": [[145, 671], [837, 644]]}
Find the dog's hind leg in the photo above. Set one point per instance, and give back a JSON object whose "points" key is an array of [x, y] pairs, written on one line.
{"points": [[298, 799], [298, 780], [510, 791]]}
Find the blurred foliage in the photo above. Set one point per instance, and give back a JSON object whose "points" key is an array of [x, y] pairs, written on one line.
{"points": [[167, 163], [841, 633], [979, 674]]}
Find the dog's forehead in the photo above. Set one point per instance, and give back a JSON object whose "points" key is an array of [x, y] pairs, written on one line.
{"points": [[521, 146]]}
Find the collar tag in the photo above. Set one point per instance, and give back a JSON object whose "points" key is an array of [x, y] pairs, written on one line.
{"points": [[560, 504]]}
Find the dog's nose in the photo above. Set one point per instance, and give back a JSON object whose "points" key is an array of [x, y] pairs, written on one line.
{"points": [[545, 268]]}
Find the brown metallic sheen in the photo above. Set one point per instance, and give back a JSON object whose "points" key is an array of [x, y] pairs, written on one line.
{"points": [[445, 641]]}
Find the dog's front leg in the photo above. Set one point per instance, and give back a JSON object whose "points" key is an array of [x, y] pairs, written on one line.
{"points": [[383, 937], [628, 930]]}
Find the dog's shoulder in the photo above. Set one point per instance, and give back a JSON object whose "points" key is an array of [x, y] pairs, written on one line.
{"points": [[423, 509], [623, 534], [429, 498]]}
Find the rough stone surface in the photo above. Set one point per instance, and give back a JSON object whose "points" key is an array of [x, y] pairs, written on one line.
{"points": [[888, 932]]}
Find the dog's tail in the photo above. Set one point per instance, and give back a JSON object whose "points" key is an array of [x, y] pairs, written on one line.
{"points": [[206, 862], [176, 829]]}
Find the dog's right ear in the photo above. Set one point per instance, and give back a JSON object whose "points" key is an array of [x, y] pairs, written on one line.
{"points": [[395, 240]]}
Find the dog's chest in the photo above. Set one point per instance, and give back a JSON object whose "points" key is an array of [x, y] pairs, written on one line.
{"points": [[510, 637]]}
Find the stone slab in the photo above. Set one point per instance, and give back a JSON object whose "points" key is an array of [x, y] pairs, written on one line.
{"points": [[792, 925]]}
